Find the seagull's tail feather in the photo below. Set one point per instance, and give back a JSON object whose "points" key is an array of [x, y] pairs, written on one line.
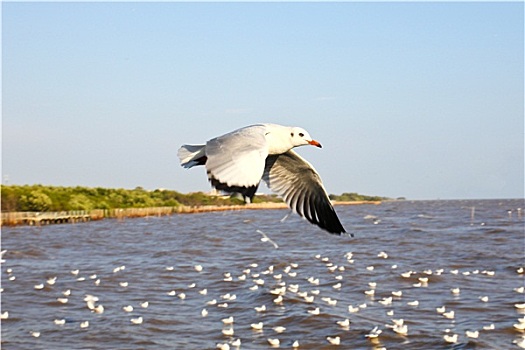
{"points": [[191, 155]]}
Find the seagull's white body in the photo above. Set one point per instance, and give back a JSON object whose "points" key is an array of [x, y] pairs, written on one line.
{"points": [[236, 162]]}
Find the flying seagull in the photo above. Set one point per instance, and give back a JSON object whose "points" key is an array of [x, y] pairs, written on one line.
{"points": [[237, 161]]}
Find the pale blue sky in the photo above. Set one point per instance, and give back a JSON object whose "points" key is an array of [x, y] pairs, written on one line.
{"points": [[423, 100]]}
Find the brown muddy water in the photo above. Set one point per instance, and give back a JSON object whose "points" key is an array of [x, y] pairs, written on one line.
{"points": [[196, 270]]}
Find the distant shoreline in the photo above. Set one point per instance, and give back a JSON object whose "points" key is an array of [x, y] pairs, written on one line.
{"points": [[47, 218]]}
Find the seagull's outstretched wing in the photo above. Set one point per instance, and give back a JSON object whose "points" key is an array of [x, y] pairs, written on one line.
{"points": [[235, 161], [300, 185]]}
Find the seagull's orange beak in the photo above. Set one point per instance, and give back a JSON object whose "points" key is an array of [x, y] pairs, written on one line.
{"points": [[315, 143]]}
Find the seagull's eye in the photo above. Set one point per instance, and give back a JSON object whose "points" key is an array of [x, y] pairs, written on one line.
{"points": [[291, 134], [301, 134]]}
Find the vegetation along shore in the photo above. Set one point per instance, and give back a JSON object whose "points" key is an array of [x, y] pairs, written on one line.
{"points": [[38, 204]]}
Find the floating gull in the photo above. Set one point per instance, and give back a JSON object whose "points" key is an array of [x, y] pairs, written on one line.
{"points": [[127, 308], [257, 326], [274, 342], [260, 308], [228, 320], [489, 327], [279, 329], [137, 320], [334, 340], [472, 334], [451, 338], [345, 323], [237, 162], [228, 332], [314, 311]]}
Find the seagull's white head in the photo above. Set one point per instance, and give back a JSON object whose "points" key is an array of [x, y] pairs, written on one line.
{"points": [[301, 137]]}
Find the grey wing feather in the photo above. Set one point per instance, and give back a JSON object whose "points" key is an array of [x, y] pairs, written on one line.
{"points": [[300, 185]]}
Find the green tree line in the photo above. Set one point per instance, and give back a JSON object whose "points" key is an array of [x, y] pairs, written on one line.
{"points": [[55, 198], [355, 197]]}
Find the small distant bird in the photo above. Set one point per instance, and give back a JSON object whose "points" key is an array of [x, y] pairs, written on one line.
{"points": [[382, 255], [353, 309], [401, 329], [334, 340], [51, 281], [278, 300], [315, 311], [39, 286], [124, 284], [228, 331], [374, 334], [98, 309], [204, 313], [385, 301], [472, 334], [228, 320], [257, 326], [451, 338], [144, 304], [345, 323], [62, 300], [127, 308], [449, 314], [137, 320], [198, 268], [260, 308], [455, 291], [413, 303], [397, 293], [223, 346], [295, 344], [84, 324], [489, 327], [60, 322], [35, 334], [279, 329], [274, 342]]}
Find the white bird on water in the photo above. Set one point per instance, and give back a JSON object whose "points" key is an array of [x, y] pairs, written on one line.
{"points": [[237, 161]]}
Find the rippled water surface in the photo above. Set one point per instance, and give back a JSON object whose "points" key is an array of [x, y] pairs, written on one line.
{"points": [[158, 259]]}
